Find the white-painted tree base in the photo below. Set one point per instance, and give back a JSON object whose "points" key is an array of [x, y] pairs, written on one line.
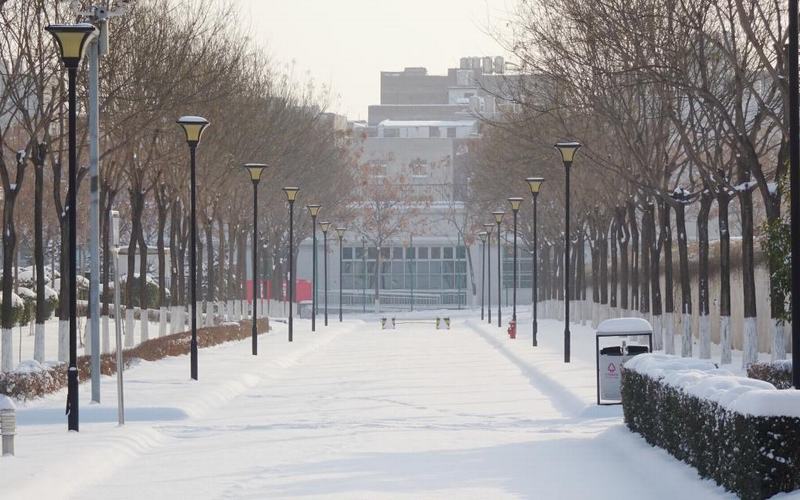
{"points": [[686, 337], [7, 361], [668, 325], [778, 340], [105, 340], [750, 348], [704, 323], [38, 342], [162, 321], [130, 323], [658, 332], [86, 339], [725, 340], [63, 340]]}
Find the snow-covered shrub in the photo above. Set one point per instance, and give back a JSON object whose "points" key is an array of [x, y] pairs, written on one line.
{"points": [[19, 312], [777, 373], [742, 433]]}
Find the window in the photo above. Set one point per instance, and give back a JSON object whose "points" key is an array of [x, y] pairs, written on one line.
{"points": [[419, 168], [392, 132], [435, 132], [347, 253], [372, 253], [451, 132], [448, 252], [359, 253], [410, 253], [461, 253], [422, 252], [397, 253], [436, 253], [386, 253], [378, 169]]}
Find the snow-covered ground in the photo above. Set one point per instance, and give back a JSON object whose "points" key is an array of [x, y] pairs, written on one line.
{"points": [[353, 412]]}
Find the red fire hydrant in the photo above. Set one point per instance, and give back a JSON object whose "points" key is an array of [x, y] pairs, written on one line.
{"points": [[512, 329]]}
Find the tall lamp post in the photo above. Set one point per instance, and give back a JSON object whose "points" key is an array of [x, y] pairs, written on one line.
{"points": [[255, 170], [291, 195], [324, 225], [498, 218], [340, 233], [515, 204], [72, 40], [535, 183], [194, 127], [482, 235], [794, 186], [567, 150], [489, 229], [313, 210]]}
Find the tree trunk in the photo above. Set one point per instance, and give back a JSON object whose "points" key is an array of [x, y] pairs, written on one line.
{"points": [[706, 199], [723, 205], [655, 277], [612, 241], [634, 231], [668, 323], [644, 261], [686, 289], [39, 155], [750, 334], [622, 238]]}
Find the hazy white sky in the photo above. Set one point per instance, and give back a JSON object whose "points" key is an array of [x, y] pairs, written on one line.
{"points": [[346, 43]]}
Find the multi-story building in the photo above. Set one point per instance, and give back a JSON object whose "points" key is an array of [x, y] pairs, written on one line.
{"points": [[420, 136]]}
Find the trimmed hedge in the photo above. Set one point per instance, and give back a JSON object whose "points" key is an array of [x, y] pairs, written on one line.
{"points": [[37, 380], [777, 373], [754, 457]]}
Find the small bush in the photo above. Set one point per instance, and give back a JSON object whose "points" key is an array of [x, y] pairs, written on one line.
{"points": [[32, 380], [777, 373], [753, 456]]}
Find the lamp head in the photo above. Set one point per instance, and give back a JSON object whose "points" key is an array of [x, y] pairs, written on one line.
{"points": [[498, 216], [340, 232], [72, 40], [194, 127], [568, 150], [313, 210], [483, 235], [324, 225], [515, 203], [291, 193], [535, 183], [489, 228], [255, 170]]}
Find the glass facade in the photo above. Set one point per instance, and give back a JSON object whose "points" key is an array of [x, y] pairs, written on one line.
{"points": [[433, 268], [525, 267]]}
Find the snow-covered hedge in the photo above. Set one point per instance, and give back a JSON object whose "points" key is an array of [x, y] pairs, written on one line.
{"points": [[777, 373], [742, 433], [20, 314]]}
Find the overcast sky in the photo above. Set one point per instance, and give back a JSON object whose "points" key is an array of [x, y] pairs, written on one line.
{"points": [[347, 43]]}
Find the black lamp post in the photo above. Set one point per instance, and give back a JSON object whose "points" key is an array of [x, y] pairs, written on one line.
{"points": [[482, 235], [535, 183], [291, 195], [72, 40], [515, 204], [324, 226], [489, 229], [340, 233], [567, 150], [498, 218], [794, 186], [193, 126], [313, 210], [255, 170]]}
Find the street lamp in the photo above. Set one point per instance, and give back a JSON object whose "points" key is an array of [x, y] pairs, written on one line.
{"points": [[194, 127], [498, 218], [340, 233], [313, 210], [255, 170], [72, 40], [567, 150], [291, 195], [535, 183], [489, 229], [482, 235], [324, 226], [515, 204], [794, 186]]}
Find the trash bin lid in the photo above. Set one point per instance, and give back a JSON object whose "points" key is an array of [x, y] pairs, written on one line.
{"points": [[611, 351], [638, 349], [624, 325]]}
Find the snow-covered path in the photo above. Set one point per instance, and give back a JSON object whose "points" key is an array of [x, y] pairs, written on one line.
{"points": [[414, 413]]}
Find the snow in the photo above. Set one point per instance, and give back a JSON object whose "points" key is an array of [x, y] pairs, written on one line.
{"points": [[192, 119], [6, 403], [624, 325], [30, 366], [353, 412], [702, 379], [24, 292], [745, 186]]}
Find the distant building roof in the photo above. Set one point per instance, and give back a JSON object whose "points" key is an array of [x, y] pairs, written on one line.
{"points": [[427, 123]]}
